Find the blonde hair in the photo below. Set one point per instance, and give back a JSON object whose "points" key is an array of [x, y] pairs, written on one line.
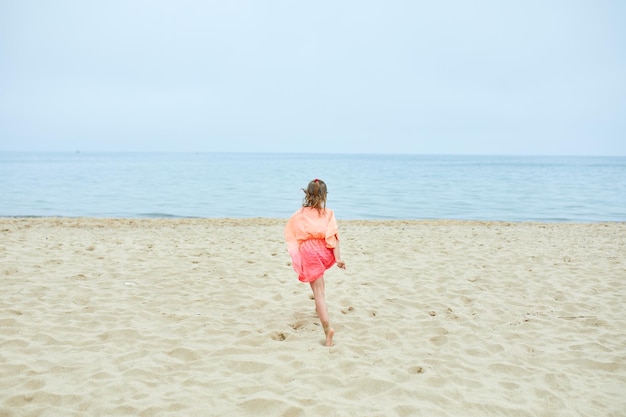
{"points": [[315, 195]]}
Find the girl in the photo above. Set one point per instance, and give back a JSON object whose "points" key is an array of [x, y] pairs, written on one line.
{"points": [[313, 244]]}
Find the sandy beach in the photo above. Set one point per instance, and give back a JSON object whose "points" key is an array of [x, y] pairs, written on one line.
{"points": [[205, 317]]}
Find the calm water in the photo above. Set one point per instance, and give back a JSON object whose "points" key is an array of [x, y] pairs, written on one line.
{"points": [[552, 189]]}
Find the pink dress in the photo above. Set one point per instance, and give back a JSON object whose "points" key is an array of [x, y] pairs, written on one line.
{"points": [[311, 237]]}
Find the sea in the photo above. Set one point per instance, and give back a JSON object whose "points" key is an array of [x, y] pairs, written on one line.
{"points": [[269, 185]]}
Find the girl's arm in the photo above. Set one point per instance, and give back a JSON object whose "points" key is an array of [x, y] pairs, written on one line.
{"points": [[341, 264]]}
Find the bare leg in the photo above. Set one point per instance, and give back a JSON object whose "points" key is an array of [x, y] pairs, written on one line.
{"points": [[322, 311]]}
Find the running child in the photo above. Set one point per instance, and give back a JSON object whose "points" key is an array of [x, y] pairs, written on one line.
{"points": [[313, 244]]}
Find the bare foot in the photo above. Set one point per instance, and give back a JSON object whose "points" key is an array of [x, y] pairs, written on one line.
{"points": [[329, 337]]}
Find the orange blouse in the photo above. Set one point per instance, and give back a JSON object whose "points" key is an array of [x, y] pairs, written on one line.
{"points": [[308, 223]]}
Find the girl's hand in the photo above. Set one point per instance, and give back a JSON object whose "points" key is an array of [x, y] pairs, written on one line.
{"points": [[341, 264]]}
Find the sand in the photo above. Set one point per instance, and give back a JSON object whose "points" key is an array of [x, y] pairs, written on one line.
{"points": [[205, 317]]}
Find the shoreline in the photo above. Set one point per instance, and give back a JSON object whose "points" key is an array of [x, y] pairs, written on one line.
{"points": [[284, 219], [164, 317]]}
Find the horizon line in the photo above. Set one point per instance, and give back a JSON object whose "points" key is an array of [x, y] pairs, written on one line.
{"points": [[310, 153]]}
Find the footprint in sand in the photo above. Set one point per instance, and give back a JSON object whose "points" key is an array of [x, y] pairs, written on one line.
{"points": [[298, 325], [416, 370], [279, 336], [347, 310]]}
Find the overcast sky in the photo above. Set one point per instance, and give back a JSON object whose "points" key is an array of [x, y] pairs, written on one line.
{"points": [[428, 77]]}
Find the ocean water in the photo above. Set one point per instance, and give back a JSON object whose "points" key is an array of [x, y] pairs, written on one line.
{"points": [[361, 186]]}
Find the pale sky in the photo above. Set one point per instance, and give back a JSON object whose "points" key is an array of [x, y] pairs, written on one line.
{"points": [[538, 77]]}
